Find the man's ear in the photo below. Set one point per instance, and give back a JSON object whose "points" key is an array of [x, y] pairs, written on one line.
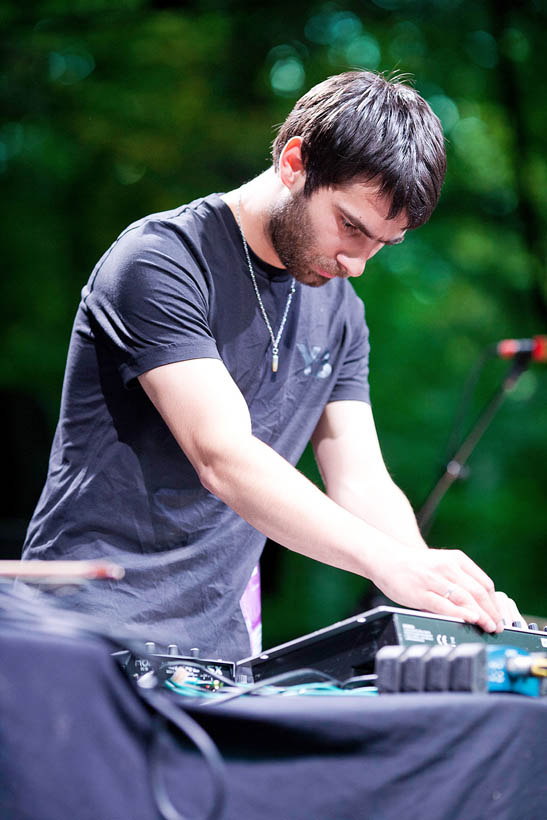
{"points": [[291, 167]]}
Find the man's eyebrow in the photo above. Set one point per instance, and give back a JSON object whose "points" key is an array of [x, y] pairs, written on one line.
{"points": [[363, 228]]}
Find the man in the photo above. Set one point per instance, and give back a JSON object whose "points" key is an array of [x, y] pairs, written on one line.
{"points": [[212, 342]]}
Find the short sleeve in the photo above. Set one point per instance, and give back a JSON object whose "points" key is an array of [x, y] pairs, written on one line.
{"points": [[352, 383], [149, 295]]}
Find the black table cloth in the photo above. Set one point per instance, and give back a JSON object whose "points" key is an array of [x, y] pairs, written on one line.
{"points": [[76, 739]]}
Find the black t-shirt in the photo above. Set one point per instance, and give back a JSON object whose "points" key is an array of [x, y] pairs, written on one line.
{"points": [[176, 286]]}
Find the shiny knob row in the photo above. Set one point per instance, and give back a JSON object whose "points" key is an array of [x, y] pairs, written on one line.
{"points": [[533, 626], [172, 649]]}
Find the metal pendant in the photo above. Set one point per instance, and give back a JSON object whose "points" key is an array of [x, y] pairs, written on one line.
{"points": [[275, 362]]}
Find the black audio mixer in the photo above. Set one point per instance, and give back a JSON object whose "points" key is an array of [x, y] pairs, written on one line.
{"points": [[349, 647], [159, 665]]}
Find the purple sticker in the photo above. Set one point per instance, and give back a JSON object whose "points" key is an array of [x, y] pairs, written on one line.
{"points": [[251, 608]]}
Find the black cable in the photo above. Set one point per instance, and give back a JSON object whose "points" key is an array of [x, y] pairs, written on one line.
{"points": [[167, 712], [273, 681]]}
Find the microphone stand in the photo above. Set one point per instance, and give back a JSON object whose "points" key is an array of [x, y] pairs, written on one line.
{"points": [[456, 464]]}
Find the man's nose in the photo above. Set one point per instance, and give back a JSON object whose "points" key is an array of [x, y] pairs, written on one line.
{"points": [[352, 265]]}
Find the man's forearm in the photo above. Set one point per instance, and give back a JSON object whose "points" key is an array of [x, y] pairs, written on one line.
{"points": [[384, 506], [280, 502]]}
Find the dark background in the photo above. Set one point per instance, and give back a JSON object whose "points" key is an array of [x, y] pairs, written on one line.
{"points": [[117, 108]]}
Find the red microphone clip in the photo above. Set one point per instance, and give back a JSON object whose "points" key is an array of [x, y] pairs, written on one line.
{"points": [[536, 347]]}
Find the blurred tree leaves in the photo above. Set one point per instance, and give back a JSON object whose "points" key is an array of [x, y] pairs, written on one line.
{"points": [[116, 108]]}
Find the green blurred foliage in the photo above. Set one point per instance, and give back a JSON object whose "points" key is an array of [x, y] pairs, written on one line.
{"points": [[116, 108]]}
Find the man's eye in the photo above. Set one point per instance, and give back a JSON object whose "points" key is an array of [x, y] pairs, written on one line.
{"points": [[349, 227]]}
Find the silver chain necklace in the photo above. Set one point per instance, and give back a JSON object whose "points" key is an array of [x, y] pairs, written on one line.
{"points": [[275, 339]]}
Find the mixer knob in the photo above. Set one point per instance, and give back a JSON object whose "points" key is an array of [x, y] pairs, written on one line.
{"points": [[173, 649], [533, 626], [517, 624], [150, 647], [194, 652]]}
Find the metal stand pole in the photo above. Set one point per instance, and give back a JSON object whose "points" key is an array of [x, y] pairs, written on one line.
{"points": [[455, 465]]}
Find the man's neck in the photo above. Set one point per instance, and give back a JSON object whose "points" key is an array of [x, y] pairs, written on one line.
{"points": [[255, 199]]}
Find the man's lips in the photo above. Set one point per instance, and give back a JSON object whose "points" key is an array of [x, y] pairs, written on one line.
{"points": [[326, 275]]}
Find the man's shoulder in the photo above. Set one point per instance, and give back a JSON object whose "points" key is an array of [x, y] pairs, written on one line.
{"points": [[186, 234], [189, 218], [165, 249]]}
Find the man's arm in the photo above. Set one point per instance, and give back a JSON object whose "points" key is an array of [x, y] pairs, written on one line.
{"points": [[350, 461], [209, 418], [349, 458]]}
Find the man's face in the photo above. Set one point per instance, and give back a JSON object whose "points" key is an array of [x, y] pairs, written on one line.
{"points": [[332, 233]]}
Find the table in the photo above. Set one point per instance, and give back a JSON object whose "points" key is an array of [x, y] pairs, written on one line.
{"points": [[75, 740]]}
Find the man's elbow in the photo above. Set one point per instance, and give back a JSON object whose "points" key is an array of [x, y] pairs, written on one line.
{"points": [[210, 470], [211, 479], [217, 468]]}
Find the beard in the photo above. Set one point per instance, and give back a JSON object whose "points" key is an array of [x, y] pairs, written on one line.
{"points": [[292, 236]]}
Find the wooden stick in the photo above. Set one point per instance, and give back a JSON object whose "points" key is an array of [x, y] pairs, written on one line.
{"points": [[65, 570]]}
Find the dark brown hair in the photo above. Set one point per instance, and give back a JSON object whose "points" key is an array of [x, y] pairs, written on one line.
{"points": [[360, 125]]}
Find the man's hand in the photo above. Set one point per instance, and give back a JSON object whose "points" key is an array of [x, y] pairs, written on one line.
{"points": [[446, 582], [443, 581]]}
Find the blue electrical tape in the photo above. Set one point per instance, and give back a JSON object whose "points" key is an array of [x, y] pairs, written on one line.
{"points": [[499, 679]]}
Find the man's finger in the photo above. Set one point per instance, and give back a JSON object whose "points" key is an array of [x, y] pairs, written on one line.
{"points": [[459, 603], [441, 605], [482, 598], [485, 583], [509, 610]]}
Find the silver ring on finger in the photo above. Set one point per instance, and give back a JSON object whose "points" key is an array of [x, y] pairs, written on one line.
{"points": [[449, 591]]}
